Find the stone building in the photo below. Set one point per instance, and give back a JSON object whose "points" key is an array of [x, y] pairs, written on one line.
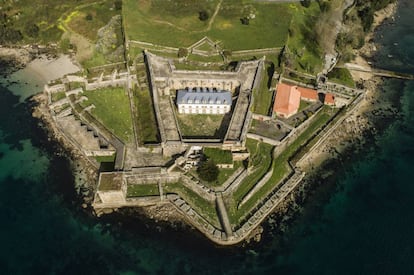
{"points": [[203, 101]]}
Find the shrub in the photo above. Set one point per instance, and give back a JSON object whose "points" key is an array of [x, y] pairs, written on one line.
{"points": [[182, 52], [203, 15], [208, 171], [305, 3], [245, 21], [118, 5], [89, 17], [32, 30]]}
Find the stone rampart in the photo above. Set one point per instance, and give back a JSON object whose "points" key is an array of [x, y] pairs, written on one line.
{"points": [[263, 139], [261, 117], [121, 82]]}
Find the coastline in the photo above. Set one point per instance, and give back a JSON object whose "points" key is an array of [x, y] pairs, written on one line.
{"points": [[87, 171], [345, 142]]}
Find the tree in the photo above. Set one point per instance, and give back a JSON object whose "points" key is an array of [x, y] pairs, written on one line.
{"points": [[89, 17], [208, 171], [32, 30], [118, 5], [305, 3], [203, 15], [245, 20], [182, 52]]}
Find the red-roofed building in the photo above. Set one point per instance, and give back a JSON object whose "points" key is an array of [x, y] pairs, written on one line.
{"points": [[287, 100], [329, 99], [308, 94]]}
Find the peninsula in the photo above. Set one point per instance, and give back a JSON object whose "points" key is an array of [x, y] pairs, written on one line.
{"points": [[215, 110]]}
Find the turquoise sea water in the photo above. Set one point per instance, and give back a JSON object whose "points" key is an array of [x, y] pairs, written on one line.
{"points": [[362, 222]]}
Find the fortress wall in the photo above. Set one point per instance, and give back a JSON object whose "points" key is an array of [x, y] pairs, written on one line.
{"points": [[112, 197], [99, 153], [222, 84], [74, 92], [59, 103], [153, 178], [261, 117], [107, 83], [263, 139], [55, 88]]}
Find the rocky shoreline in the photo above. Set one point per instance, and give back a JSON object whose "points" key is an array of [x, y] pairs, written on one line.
{"points": [[340, 146], [372, 117]]}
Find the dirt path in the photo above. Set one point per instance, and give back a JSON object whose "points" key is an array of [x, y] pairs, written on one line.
{"points": [[328, 26], [210, 23]]}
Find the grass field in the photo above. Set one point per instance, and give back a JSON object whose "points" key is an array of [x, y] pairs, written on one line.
{"points": [[57, 96], [194, 125], [341, 76], [141, 190], [263, 161], [260, 160], [112, 108], [218, 156], [42, 13], [105, 158], [204, 207], [262, 98], [304, 51], [177, 24], [225, 173], [88, 20], [146, 123]]}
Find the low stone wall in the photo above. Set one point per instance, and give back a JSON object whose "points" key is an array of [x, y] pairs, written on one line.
{"points": [[121, 82], [263, 139], [261, 117], [100, 153]]}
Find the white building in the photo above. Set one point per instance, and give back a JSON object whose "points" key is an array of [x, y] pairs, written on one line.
{"points": [[203, 101]]}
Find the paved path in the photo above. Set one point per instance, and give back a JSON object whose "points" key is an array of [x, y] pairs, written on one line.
{"points": [[224, 218], [378, 72]]}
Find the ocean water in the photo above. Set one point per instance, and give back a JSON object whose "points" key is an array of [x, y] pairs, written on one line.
{"points": [[360, 222]]}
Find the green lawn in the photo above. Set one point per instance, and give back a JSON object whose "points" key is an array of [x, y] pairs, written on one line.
{"points": [[260, 159], [142, 190], [22, 15], [112, 108], [219, 156], [105, 158], [196, 125], [304, 53], [280, 168], [176, 24], [341, 76], [202, 206], [205, 59], [146, 123], [57, 96], [262, 98], [191, 66], [98, 59], [303, 105], [99, 15], [225, 173]]}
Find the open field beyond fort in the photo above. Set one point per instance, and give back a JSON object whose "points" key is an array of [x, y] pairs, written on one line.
{"points": [[177, 24]]}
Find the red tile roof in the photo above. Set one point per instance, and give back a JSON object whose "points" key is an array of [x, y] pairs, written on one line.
{"points": [[329, 99], [308, 94], [287, 100]]}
